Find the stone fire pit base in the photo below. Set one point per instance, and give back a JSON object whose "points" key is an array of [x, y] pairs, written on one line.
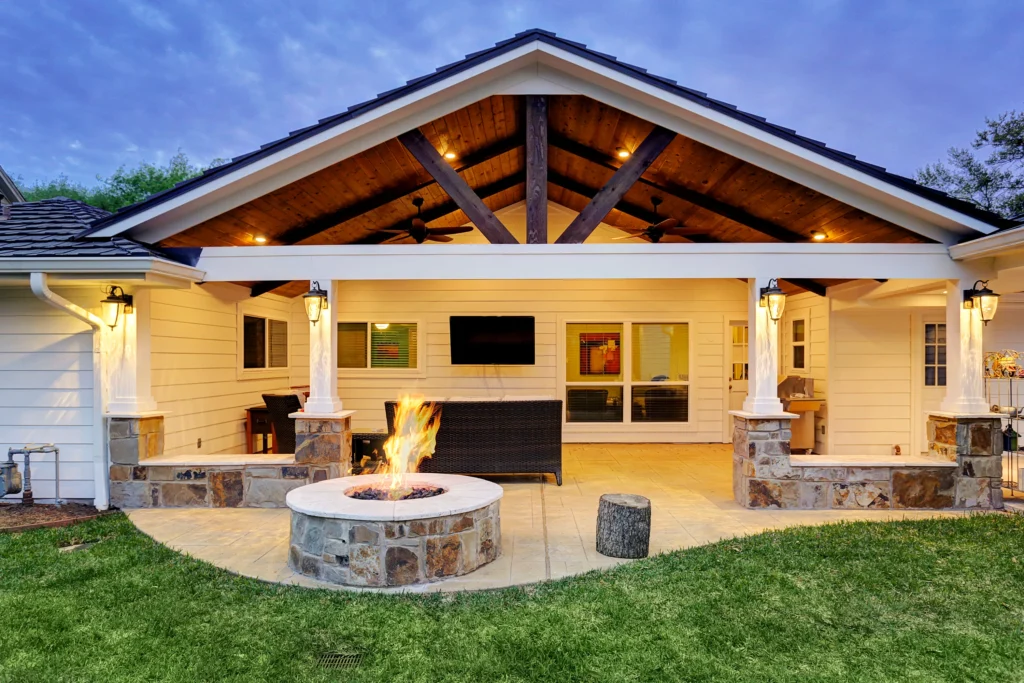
{"points": [[354, 542]]}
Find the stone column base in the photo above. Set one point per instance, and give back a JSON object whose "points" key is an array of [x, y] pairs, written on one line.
{"points": [[322, 439], [130, 441], [976, 445], [762, 476]]}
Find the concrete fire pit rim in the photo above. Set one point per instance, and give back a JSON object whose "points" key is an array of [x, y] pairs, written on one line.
{"points": [[328, 499]]}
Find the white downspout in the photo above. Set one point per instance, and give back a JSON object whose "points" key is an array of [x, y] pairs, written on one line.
{"points": [[38, 283]]}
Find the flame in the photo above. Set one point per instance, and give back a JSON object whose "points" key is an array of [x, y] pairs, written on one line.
{"points": [[415, 438]]}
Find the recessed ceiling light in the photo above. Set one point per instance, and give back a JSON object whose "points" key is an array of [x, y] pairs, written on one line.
{"points": [[259, 239], [622, 152], [449, 155], [817, 236]]}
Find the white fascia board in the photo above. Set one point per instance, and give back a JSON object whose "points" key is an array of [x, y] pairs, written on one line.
{"points": [[999, 244], [130, 267], [762, 149], [583, 261], [328, 147]]}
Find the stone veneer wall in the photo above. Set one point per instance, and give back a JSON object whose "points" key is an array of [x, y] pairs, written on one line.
{"points": [[228, 486], [764, 477], [359, 553], [323, 451], [976, 446]]}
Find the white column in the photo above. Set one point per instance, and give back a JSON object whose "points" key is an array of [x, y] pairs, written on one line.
{"points": [[323, 357], [126, 352], [763, 356], [965, 360]]}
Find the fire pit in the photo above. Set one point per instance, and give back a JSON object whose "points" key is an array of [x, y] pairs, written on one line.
{"points": [[397, 527], [340, 538]]}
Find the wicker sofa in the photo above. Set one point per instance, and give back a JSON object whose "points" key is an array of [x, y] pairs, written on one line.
{"points": [[495, 437]]}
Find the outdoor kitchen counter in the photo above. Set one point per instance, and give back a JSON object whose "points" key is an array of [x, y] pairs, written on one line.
{"points": [[816, 460]]}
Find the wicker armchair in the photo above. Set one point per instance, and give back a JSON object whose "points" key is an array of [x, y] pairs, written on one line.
{"points": [[279, 407], [495, 437]]}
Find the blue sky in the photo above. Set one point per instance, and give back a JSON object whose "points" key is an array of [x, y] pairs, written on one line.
{"points": [[90, 85]]}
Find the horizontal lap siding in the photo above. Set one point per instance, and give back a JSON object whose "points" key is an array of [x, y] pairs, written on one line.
{"points": [[46, 388], [707, 304], [195, 366], [872, 382], [815, 310]]}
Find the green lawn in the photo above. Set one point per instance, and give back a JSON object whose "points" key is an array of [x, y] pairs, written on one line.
{"points": [[903, 601]]}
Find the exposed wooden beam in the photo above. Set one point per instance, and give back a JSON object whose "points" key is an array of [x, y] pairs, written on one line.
{"points": [[536, 169], [615, 189], [449, 207], [265, 287], [457, 188], [320, 224], [737, 215], [812, 286]]}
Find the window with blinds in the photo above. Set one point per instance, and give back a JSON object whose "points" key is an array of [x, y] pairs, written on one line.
{"points": [[264, 343], [378, 346]]}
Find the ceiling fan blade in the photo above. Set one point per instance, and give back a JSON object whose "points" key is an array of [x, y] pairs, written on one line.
{"points": [[681, 231], [399, 239], [439, 238], [450, 231], [628, 237], [393, 231], [418, 223], [666, 224]]}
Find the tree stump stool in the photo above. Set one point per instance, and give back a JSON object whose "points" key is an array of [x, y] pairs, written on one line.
{"points": [[623, 525]]}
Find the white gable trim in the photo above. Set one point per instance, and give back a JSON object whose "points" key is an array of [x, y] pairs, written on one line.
{"points": [[543, 68]]}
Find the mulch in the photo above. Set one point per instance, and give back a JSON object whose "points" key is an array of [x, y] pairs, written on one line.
{"points": [[17, 517]]}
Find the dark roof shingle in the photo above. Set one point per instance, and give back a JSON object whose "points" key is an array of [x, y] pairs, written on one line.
{"points": [[49, 228]]}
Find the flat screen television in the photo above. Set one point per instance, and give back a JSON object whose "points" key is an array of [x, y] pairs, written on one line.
{"points": [[492, 339]]}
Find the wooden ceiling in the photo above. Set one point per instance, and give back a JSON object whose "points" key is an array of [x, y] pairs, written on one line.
{"points": [[725, 198]]}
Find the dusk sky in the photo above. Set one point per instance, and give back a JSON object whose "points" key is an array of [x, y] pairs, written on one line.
{"points": [[91, 85]]}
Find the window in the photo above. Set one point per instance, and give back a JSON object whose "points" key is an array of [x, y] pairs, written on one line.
{"points": [[378, 346], [740, 342], [264, 343], [642, 366], [798, 341], [935, 354]]}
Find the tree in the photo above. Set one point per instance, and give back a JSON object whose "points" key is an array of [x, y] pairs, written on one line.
{"points": [[125, 186], [994, 181]]}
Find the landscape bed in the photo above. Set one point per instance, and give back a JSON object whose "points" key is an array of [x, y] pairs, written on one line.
{"points": [[924, 600]]}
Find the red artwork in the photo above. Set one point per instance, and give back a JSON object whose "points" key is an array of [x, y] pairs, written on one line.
{"points": [[599, 353]]}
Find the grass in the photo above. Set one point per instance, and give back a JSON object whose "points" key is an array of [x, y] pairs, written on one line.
{"points": [[935, 600]]}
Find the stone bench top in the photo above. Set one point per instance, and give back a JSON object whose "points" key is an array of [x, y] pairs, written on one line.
{"points": [[328, 499], [816, 460], [218, 460]]}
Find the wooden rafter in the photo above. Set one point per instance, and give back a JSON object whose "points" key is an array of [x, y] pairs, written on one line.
{"points": [[617, 186], [449, 207], [457, 188], [536, 169], [711, 204], [320, 224]]}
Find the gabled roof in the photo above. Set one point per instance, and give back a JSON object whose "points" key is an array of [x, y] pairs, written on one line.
{"points": [[8, 190], [597, 58], [48, 228]]}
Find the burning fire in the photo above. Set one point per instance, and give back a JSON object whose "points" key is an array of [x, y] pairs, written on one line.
{"points": [[415, 438]]}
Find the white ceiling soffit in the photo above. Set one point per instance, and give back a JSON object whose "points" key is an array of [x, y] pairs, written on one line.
{"points": [[544, 69]]}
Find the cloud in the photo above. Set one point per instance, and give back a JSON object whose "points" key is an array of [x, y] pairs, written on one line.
{"points": [[894, 83]]}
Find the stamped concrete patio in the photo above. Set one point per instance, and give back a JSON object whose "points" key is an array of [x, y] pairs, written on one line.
{"points": [[547, 531]]}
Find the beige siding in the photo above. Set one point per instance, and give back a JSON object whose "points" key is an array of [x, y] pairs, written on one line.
{"points": [[815, 310], [46, 388], [708, 305], [871, 385], [195, 365]]}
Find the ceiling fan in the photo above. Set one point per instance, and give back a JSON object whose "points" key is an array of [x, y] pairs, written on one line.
{"points": [[655, 231], [418, 231]]}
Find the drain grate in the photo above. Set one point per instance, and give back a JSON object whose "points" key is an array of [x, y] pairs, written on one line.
{"points": [[340, 660]]}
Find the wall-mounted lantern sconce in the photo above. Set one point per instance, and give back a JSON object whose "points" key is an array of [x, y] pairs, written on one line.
{"points": [[774, 299], [983, 299], [315, 301], [110, 308]]}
